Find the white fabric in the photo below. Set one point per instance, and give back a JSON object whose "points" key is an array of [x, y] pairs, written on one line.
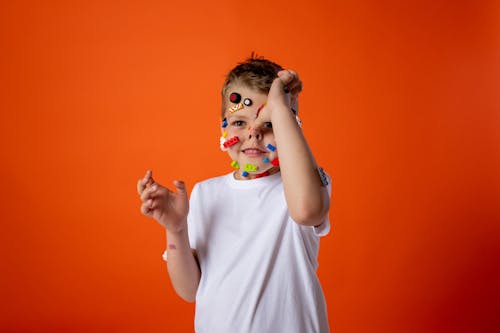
{"points": [[258, 267]]}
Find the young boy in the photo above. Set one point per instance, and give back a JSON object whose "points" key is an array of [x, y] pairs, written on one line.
{"points": [[245, 245]]}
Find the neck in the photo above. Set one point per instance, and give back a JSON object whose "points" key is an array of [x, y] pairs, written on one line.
{"points": [[272, 171]]}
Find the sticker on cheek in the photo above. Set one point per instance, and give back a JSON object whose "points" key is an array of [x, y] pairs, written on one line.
{"points": [[251, 167], [235, 165], [271, 147], [231, 142]]}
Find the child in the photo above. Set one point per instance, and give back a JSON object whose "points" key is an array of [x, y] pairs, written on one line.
{"points": [[245, 245]]}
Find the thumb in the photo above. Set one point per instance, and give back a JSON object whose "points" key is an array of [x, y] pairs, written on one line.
{"points": [[180, 187]]}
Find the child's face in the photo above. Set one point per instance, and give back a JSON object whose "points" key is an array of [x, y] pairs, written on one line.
{"points": [[252, 125]]}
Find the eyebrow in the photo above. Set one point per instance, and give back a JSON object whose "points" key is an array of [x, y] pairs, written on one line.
{"points": [[239, 116]]}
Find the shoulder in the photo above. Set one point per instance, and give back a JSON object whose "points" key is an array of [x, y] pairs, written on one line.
{"points": [[211, 184], [213, 181]]}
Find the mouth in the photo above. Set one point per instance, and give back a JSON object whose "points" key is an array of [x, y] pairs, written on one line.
{"points": [[253, 152]]}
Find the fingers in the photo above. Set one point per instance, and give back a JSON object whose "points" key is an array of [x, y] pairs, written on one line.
{"points": [[291, 81], [145, 182], [150, 198], [147, 208], [150, 193], [180, 187]]}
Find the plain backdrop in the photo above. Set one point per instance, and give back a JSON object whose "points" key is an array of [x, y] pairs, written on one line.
{"points": [[400, 105]]}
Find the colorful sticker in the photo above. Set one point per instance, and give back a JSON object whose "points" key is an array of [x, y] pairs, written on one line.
{"points": [[251, 167], [236, 107], [235, 97]]}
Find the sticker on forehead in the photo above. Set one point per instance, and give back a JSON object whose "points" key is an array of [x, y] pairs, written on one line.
{"points": [[235, 98], [236, 107]]}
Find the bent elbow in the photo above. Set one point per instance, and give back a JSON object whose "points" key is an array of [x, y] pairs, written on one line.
{"points": [[310, 216], [187, 296]]}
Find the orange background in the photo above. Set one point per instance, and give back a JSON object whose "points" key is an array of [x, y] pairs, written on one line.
{"points": [[400, 105]]}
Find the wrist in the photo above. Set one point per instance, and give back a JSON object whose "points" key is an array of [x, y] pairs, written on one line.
{"points": [[175, 227], [177, 230]]}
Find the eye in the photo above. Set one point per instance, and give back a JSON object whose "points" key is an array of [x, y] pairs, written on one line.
{"points": [[268, 124], [238, 123]]}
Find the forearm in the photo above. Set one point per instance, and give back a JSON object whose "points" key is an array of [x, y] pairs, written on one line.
{"points": [[182, 265], [307, 198]]}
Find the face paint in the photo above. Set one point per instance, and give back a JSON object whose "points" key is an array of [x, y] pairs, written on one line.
{"points": [[247, 101], [235, 165], [259, 109], [224, 123], [264, 174], [235, 98], [275, 162], [236, 107], [265, 160], [244, 174], [224, 134]]}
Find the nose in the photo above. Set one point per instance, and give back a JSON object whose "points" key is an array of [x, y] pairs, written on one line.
{"points": [[254, 133]]}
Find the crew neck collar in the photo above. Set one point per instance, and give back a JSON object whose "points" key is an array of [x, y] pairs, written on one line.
{"points": [[252, 183]]}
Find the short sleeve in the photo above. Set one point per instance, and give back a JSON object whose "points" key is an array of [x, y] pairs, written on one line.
{"points": [[193, 216], [324, 228]]}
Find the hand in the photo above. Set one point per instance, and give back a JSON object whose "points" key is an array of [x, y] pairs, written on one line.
{"points": [[287, 81], [169, 208]]}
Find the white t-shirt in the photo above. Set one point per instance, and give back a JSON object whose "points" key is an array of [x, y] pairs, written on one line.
{"points": [[258, 267]]}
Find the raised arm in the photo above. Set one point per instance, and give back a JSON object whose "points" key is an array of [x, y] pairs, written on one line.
{"points": [[170, 210], [306, 196]]}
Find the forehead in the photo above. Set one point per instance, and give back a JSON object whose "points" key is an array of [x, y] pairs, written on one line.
{"points": [[257, 98], [243, 90]]}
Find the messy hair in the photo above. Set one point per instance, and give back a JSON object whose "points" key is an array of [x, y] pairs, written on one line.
{"points": [[255, 73]]}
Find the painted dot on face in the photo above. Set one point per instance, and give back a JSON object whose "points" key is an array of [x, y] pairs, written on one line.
{"points": [[235, 98], [244, 174], [247, 101], [224, 123]]}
